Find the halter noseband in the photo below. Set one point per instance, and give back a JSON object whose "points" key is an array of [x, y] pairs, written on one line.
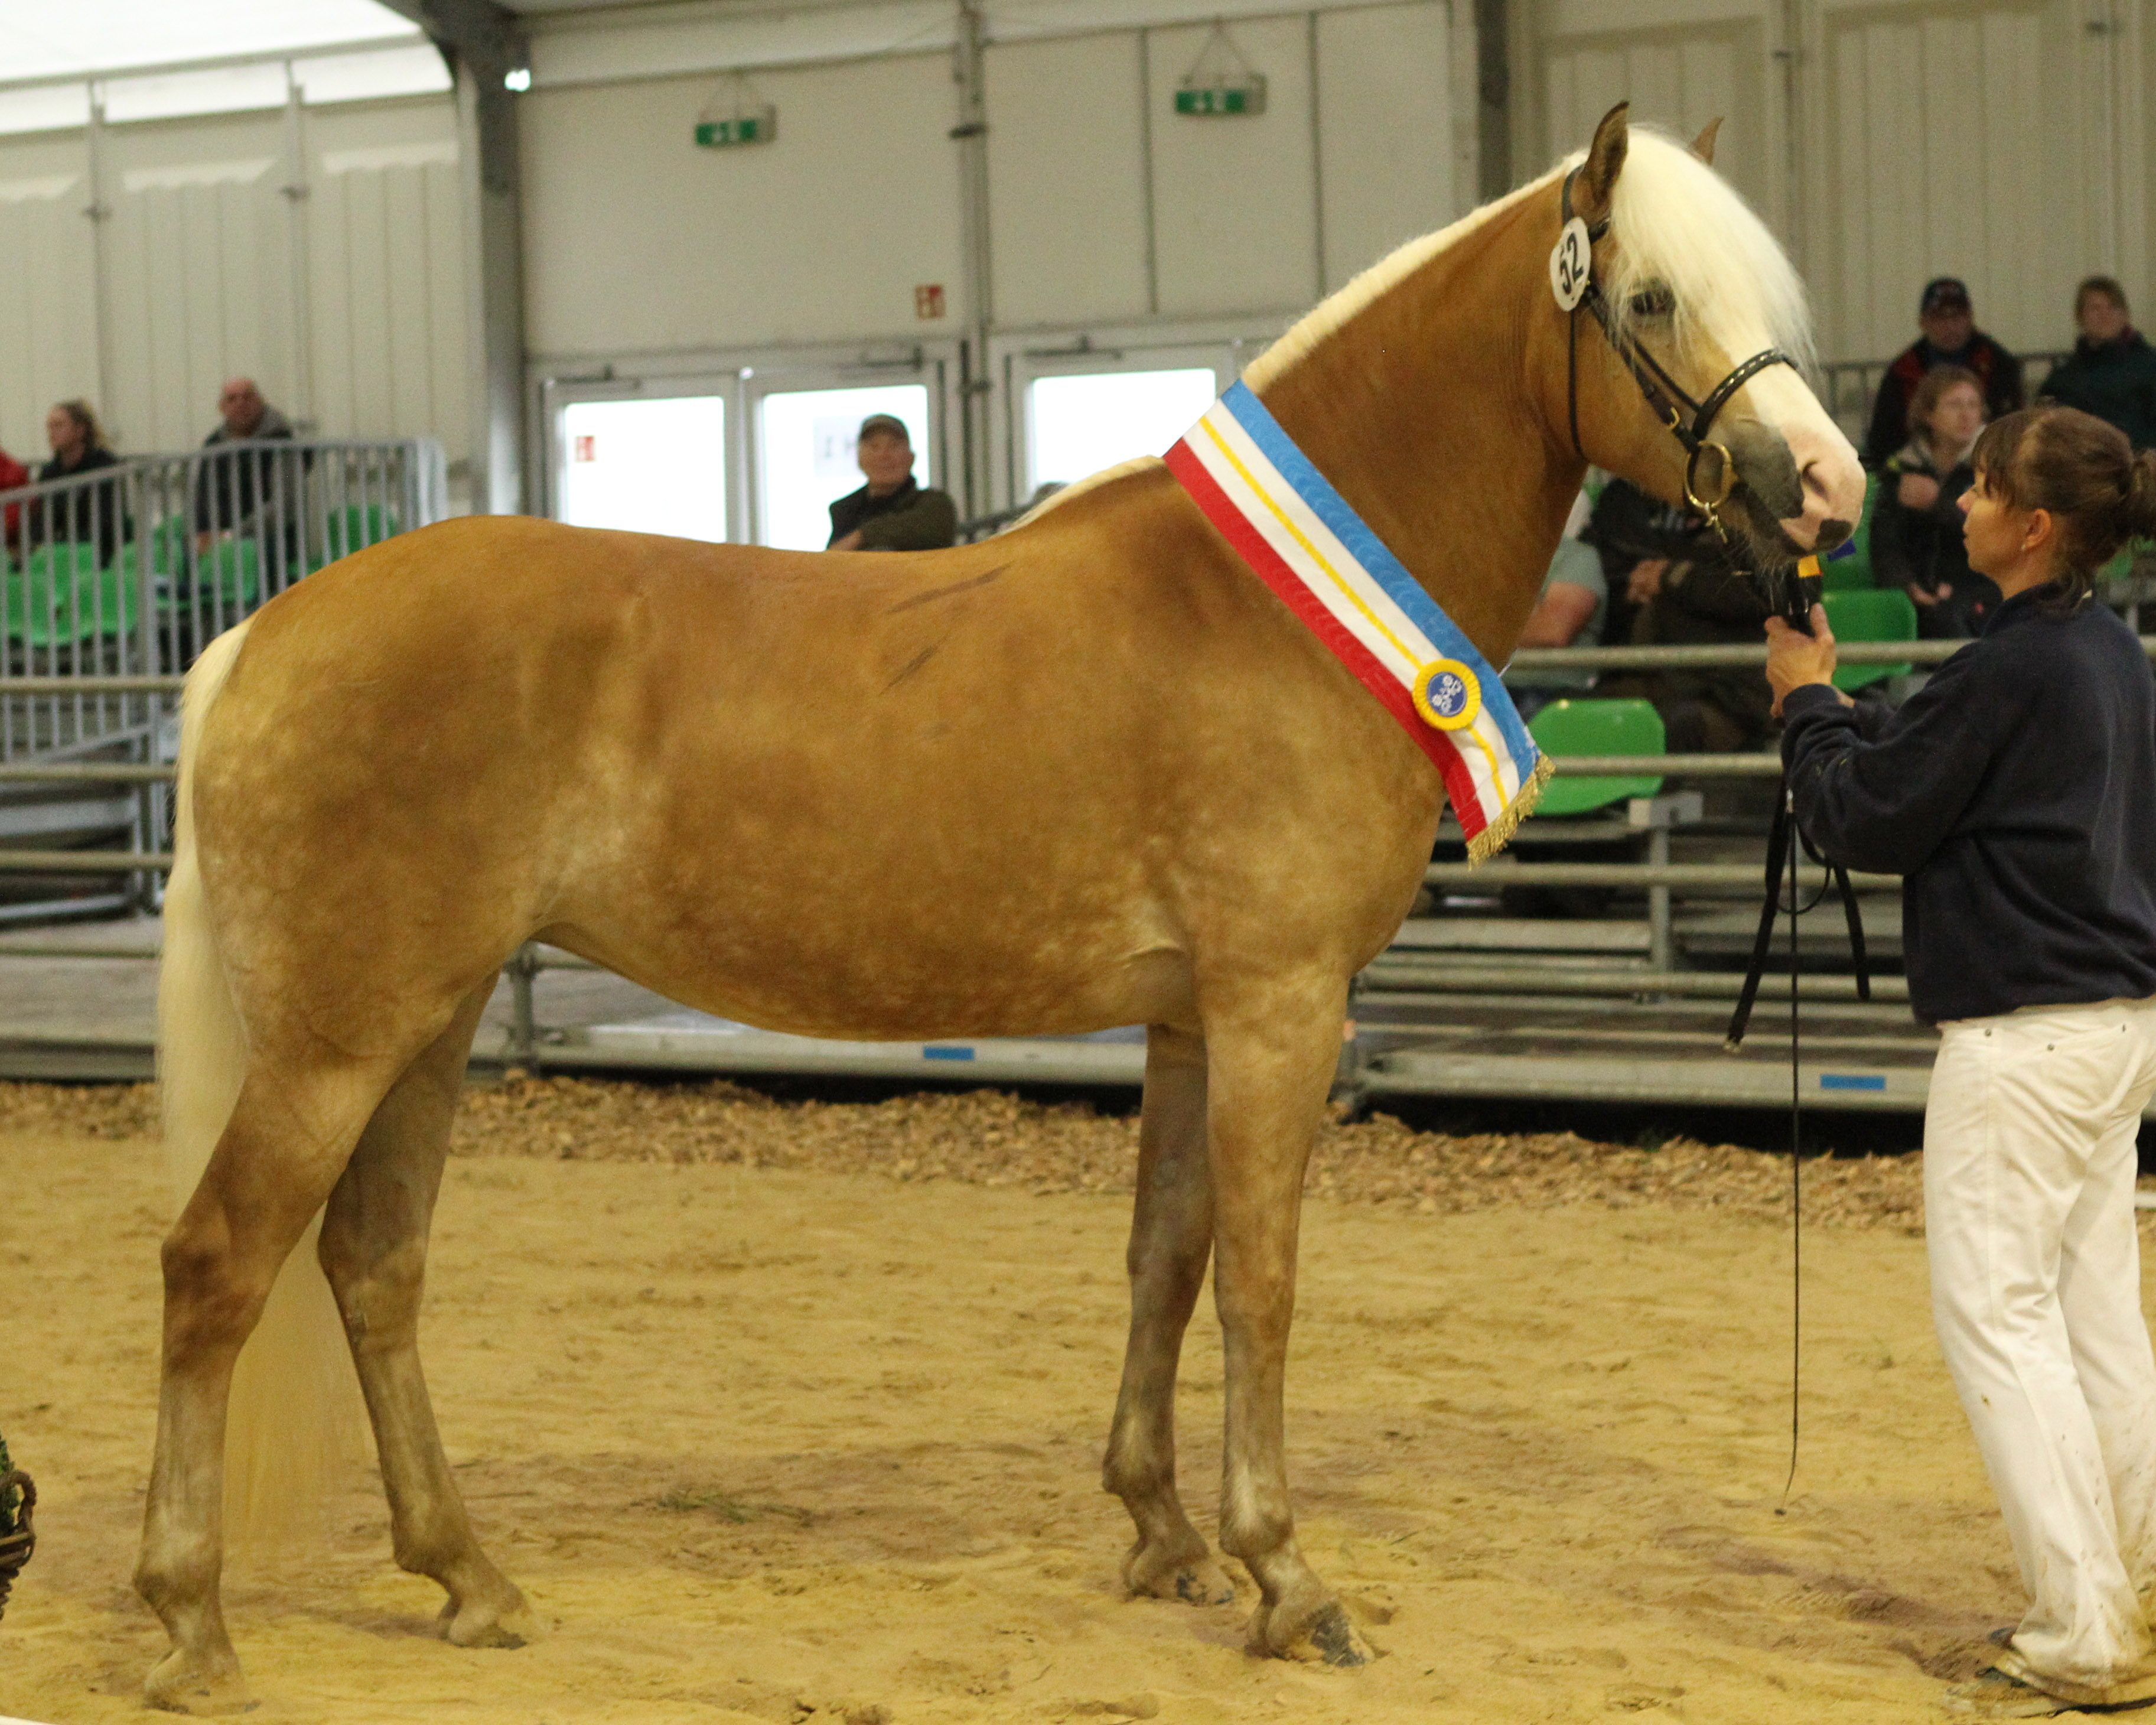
{"points": [[1667, 396]]}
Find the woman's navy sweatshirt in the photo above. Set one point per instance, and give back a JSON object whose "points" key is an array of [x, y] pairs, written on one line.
{"points": [[2016, 792]]}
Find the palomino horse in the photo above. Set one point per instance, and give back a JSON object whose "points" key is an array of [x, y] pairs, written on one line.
{"points": [[1090, 772]]}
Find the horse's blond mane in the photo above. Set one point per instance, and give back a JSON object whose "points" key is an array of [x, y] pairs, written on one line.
{"points": [[1680, 224], [1676, 223], [1337, 308]]}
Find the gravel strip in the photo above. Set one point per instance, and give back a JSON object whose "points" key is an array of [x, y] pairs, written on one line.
{"points": [[990, 1138]]}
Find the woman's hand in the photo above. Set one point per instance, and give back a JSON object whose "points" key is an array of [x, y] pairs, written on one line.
{"points": [[852, 542], [1918, 491], [1647, 580], [1795, 659]]}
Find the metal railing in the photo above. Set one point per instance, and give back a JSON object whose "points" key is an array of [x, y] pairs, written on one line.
{"points": [[115, 578], [1848, 387], [1762, 765]]}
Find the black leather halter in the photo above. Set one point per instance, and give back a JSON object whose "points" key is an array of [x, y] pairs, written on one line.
{"points": [[1688, 421]]}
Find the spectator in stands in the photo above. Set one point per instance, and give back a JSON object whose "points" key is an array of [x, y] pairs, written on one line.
{"points": [[1678, 587], [1950, 337], [893, 511], [89, 514], [1916, 527], [2112, 372], [13, 475], [1575, 595], [248, 491]]}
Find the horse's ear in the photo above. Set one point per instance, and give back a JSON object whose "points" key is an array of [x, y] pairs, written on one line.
{"points": [[1605, 159], [1702, 147]]}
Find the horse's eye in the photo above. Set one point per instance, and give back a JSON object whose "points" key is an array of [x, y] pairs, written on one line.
{"points": [[1654, 301]]}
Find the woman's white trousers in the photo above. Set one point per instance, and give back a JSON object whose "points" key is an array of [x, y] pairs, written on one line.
{"points": [[2029, 1179]]}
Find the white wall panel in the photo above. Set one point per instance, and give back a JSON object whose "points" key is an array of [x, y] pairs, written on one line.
{"points": [[208, 222], [1384, 131], [1235, 199], [1958, 153], [1066, 180], [200, 282], [48, 289], [637, 239], [385, 257], [1676, 79]]}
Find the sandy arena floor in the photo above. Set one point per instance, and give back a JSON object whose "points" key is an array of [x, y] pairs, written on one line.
{"points": [[791, 1444]]}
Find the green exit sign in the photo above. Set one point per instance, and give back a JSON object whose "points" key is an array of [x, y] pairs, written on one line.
{"points": [[742, 129], [1222, 99]]}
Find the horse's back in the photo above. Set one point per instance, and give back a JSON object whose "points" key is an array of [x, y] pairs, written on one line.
{"points": [[652, 747]]}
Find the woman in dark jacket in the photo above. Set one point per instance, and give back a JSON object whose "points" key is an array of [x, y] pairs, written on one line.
{"points": [[1916, 527], [2016, 795], [86, 514], [2112, 372]]}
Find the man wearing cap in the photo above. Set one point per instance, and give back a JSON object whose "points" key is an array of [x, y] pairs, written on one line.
{"points": [[892, 511], [1950, 337]]}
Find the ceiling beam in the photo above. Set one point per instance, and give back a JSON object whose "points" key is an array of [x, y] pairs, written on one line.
{"points": [[487, 37]]}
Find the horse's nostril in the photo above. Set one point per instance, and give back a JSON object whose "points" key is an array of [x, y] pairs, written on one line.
{"points": [[1832, 533]]}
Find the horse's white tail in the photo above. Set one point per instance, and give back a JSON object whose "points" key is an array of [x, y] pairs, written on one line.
{"points": [[295, 1415]]}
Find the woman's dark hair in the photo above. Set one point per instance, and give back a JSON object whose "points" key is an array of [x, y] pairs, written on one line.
{"points": [[1924, 399], [2098, 492], [2109, 286]]}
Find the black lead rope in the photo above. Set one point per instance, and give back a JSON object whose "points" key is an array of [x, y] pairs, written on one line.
{"points": [[1783, 838]]}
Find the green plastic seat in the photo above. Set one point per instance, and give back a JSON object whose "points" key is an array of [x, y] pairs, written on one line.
{"points": [[60, 596], [352, 529], [228, 575], [168, 545], [1588, 726], [1872, 614]]}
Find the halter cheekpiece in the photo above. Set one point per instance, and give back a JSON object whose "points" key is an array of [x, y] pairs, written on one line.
{"points": [[1572, 278]]}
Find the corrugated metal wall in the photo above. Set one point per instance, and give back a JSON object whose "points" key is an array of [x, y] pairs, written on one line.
{"points": [[1104, 204], [323, 254], [2005, 143]]}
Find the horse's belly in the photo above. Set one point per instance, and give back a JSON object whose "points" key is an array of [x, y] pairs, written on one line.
{"points": [[817, 972]]}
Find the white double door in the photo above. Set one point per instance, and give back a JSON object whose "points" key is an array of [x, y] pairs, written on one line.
{"points": [[755, 455]]}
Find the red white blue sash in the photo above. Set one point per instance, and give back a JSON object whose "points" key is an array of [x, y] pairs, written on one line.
{"points": [[1304, 542]]}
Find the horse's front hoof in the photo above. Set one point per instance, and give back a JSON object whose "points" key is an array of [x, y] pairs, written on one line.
{"points": [[1323, 1637], [491, 1623], [1194, 1579], [182, 1682]]}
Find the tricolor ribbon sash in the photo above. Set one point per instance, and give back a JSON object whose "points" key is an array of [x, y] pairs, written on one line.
{"points": [[1304, 542]]}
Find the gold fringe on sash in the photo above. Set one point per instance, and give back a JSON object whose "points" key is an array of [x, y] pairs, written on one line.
{"points": [[1494, 837]]}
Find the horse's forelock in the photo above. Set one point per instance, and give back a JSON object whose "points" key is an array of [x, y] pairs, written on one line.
{"points": [[1678, 223]]}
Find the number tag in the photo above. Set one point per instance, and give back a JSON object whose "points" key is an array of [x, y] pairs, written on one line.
{"points": [[1571, 261]]}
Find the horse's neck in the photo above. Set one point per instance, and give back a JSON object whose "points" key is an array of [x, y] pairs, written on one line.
{"points": [[1418, 408]]}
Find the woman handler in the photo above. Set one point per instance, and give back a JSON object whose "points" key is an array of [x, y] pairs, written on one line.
{"points": [[2016, 792]]}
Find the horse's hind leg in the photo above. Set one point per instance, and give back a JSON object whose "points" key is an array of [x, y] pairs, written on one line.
{"points": [[1270, 1061], [275, 1161], [374, 1252], [1171, 1238]]}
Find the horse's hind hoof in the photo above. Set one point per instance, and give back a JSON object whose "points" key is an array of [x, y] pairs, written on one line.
{"points": [[1326, 1638], [1195, 1581], [185, 1683]]}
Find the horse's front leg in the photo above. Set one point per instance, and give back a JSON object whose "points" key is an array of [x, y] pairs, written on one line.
{"points": [[1270, 1058], [1171, 1238]]}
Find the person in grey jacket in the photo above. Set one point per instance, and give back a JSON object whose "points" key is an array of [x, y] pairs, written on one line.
{"points": [[2015, 793], [242, 491]]}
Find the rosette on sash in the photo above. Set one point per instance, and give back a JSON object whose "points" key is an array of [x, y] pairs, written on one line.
{"points": [[1303, 541]]}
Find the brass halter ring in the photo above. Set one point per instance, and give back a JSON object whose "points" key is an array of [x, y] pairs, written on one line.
{"points": [[1668, 397]]}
